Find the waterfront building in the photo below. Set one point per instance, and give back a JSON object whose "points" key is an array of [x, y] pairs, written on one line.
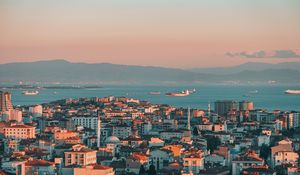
{"points": [[222, 107]]}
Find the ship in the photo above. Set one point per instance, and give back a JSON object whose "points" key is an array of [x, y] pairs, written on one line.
{"points": [[253, 92], [30, 92], [179, 94], [292, 91], [154, 93]]}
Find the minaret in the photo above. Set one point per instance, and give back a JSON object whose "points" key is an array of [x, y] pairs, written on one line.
{"points": [[189, 119], [98, 131]]}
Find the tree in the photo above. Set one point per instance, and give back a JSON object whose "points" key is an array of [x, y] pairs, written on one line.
{"points": [[152, 170], [212, 143], [195, 131], [142, 170], [264, 152]]}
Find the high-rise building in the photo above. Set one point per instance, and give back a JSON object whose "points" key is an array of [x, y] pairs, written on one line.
{"points": [[224, 106], [36, 111], [86, 121], [246, 105], [5, 101], [293, 120], [16, 115]]}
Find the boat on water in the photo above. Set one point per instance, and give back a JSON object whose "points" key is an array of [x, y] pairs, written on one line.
{"points": [[154, 93], [179, 94], [253, 92], [292, 91], [30, 93]]}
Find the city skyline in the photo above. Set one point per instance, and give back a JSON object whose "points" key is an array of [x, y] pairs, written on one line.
{"points": [[181, 34], [149, 87]]}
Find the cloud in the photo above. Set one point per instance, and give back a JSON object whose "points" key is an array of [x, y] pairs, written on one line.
{"points": [[266, 54]]}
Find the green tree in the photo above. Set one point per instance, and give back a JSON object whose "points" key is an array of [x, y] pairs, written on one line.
{"points": [[195, 131], [213, 143], [152, 170], [264, 152], [142, 170]]}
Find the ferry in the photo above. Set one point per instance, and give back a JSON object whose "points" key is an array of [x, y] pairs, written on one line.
{"points": [[30, 93], [292, 91], [179, 94]]}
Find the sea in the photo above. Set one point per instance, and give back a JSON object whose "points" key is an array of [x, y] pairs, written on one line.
{"points": [[270, 97]]}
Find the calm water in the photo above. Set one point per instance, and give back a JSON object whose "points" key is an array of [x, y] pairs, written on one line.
{"points": [[269, 97]]}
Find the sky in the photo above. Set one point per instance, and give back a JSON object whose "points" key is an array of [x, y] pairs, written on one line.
{"points": [[168, 33]]}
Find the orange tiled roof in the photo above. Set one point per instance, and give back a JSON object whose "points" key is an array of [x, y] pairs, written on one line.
{"points": [[101, 167], [39, 163], [139, 156], [20, 126]]}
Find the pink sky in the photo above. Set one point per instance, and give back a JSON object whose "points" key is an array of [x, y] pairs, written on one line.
{"points": [[170, 33]]}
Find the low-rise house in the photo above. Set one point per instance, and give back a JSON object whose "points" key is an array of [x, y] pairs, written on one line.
{"points": [[205, 127], [135, 161], [122, 131], [156, 142], [214, 160], [87, 170], [283, 153], [134, 141], [80, 155], [225, 152], [169, 134], [38, 167], [160, 158], [263, 140], [193, 161], [62, 135], [245, 161], [258, 170]]}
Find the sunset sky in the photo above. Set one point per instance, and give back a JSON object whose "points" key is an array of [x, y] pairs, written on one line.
{"points": [[169, 33]]}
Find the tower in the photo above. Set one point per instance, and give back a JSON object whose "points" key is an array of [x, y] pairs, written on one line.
{"points": [[186, 138], [98, 131]]}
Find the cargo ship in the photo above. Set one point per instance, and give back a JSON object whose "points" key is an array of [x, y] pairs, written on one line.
{"points": [[30, 93], [179, 94], [292, 91]]}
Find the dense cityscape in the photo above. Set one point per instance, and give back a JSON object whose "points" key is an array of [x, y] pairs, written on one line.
{"points": [[121, 135]]}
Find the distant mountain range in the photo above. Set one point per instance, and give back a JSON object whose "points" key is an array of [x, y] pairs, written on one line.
{"points": [[66, 72], [250, 66]]}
